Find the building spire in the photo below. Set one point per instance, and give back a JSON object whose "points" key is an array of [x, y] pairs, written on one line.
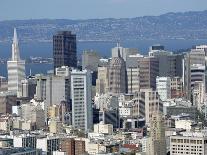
{"points": [[15, 47], [15, 39]]}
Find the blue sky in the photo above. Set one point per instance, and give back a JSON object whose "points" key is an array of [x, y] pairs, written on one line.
{"points": [[87, 9]]}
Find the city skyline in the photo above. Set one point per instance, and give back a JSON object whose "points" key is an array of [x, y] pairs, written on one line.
{"points": [[93, 9]]}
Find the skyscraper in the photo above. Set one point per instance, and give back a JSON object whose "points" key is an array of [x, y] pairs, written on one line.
{"points": [[157, 142], [16, 67], [163, 87], [194, 70], [148, 71], [64, 49], [81, 100], [102, 81], [117, 75]]}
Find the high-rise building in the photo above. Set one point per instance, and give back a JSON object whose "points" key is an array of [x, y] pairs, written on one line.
{"points": [[7, 100], [117, 75], [199, 95], [155, 48], [28, 88], [16, 67], [102, 82], [149, 104], [163, 87], [41, 87], [57, 89], [81, 100], [148, 71], [176, 87], [132, 71], [3, 84], [157, 142], [193, 70], [64, 49], [123, 52], [90, 60]]}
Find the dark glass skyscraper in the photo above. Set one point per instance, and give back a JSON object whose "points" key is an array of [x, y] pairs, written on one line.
{"points": [[64, 49]]}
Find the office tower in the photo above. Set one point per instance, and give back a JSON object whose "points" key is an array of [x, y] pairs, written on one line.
{"points": [[198, 95], [7, 100], [81, 100], [64, 49], [117, 75], [149, 103], [194, 70], [172, 63], [148, 71], [176, 87], [28, 88], [102, 82], [16, 67], [57, 89], [133, 73], [90, 60], [3, 84], [189, 143], [157, 142], [122, 52], [163, 87], [155, 48], [40, 87]]}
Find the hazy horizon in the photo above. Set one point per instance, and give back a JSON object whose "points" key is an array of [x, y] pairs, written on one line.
{"points": [[93, 9]]}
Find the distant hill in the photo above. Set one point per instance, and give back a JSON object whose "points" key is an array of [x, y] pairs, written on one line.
{"points": [[188, 25]]}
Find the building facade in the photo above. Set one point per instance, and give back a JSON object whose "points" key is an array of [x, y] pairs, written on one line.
{"points": [[81, 100], [64, 49], [15, 67]]}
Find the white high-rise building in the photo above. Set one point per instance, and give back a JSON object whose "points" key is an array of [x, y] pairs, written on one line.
{"points": [[163, 87], [81, 99], [15, 67]]}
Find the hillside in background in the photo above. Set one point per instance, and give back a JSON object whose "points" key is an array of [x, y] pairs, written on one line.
{"points": [[188, 25]]}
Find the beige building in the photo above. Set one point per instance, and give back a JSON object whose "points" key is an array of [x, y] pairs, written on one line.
{"points": [[157, 143], [33, 113], [148, 71], [149, 104], [117, 75], [193, 70], [103, 128], [55, 126], [90, 60], [176, 86], [102, 82], [189, 143]]}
